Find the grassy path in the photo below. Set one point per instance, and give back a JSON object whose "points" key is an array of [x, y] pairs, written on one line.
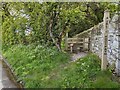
{"points": [[56, 72], [74, 57], [78, 55]]}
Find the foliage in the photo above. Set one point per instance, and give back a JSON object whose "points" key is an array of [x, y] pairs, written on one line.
{"points": [[38, 67], [84, 73], [105, 80], [31, 22], [32, 64]]}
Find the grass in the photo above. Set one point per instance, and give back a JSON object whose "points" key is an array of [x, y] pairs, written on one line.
{"points": [[32, 64], [84, 73], [45, 67]]}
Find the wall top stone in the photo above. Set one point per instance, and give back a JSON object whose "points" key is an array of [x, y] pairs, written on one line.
{"points": [[115, 18]]}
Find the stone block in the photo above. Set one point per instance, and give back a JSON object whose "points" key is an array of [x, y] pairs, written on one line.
{"points": [[117, 33], [114, 52], [115, 44], [113, 58], [118, 67]]}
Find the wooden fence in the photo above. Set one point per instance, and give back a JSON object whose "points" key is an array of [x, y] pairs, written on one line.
{"points": [[78, 44]]}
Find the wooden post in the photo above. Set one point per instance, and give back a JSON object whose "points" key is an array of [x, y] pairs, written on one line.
{"points": [[66, 41], [71, 48], [1, 33], [105, 40], [89, 42], [83, 43]]}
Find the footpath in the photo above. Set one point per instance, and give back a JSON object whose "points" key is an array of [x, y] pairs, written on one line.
{"points": [[78, 55]]}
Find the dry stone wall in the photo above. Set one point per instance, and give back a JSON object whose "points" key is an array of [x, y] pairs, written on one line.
{"points": [[113, 43], [113, 54], [96, 39], [96, 36], [113, 46]]}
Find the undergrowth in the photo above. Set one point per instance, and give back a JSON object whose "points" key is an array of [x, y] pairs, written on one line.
{"points": [[32, 64], [45, 67], [84, 73]]}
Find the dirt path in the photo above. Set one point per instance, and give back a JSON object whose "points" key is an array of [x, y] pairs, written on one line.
{"points": [[74, 56], [5, 81]]}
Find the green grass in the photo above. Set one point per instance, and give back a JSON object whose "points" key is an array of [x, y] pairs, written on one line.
{"points": [[32, 64], [45, 67]]}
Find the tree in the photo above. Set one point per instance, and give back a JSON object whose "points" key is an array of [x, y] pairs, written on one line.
{"points": [[26, 22]]}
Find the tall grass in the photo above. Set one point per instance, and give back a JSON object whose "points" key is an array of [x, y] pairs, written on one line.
{"points": [[33, 63], [45, 67]]}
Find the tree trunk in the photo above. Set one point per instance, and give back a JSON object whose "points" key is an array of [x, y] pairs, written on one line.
{"points": [[52, 37]]}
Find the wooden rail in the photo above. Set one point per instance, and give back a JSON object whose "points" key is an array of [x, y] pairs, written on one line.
{"points": [[78, 44]]}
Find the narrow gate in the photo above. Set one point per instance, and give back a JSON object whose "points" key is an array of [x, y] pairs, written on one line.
{"points": [[78, 44]]}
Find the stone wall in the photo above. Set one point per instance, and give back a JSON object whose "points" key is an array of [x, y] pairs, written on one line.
{"points": [[113, 52], [96, 35], [96, 39]]}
